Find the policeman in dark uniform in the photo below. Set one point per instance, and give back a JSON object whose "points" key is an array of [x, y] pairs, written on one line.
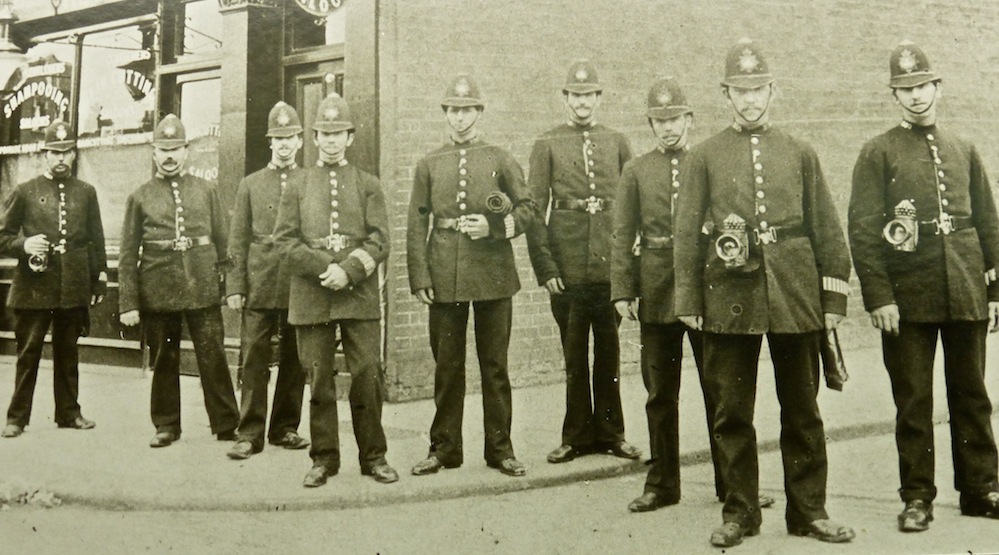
{"points": [[757, 186], [575, 168], [471, 198], [52, 225], [925, 241], [333, 228], [258, 285], [172, 240]]}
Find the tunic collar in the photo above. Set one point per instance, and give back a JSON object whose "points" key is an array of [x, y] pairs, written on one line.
{"points": [[322, 164], [160, 175], [667, 152], [909, 125], [755, 131], [275, 167]]}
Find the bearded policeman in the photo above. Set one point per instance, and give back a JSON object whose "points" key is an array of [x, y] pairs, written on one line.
{"points": [[173, 238], [575, 169], [258, 286], [469, 200], [333, 228], [776, 264], [52, 226], [925, 241]]}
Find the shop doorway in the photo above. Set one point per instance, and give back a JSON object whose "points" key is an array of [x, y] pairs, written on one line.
{"points": [[307, 84]]}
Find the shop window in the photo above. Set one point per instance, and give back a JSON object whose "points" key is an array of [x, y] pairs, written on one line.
{"points": [[200, 96], [117, 82], [42, 93], [307, 31]]}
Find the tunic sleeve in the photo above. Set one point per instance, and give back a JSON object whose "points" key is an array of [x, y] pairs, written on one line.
{"points": [[866, 219], [627, 217], [539, 181], [418, 225]]}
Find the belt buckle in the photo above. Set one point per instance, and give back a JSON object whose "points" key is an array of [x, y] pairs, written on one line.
{"points": [[594, 205], [182, 244], [336, 242], [944, 224], [767, 237]]}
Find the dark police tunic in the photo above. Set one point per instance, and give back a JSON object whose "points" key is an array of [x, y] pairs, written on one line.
{"points": [[66, 211], [940, 289], [336, 214], [167, 284], [774, 183], [452, 181], [643, 208], [258, 274], [575, 171]]}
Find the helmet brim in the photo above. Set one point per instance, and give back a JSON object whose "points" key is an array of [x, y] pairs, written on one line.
{"points": [[284, 132], [60, 146], [748, 81], [462, 102], [668, 113], [582, 88], [333, 127], [910, 80], [169, 144]]}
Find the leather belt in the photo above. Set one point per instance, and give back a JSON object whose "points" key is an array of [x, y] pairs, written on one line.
{"points": [[938, 227], [446, 223], [775, 233], [591, 205], [63, 249], [657, 242], [335, 242], [182, 244]]}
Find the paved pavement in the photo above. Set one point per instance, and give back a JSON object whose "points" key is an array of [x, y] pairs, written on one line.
{"points": [[112, 466]]}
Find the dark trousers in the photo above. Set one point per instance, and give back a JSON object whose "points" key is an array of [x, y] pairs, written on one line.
{"points": [[259, 327], [730, 368], [909, 359], [361, 344], [30, 328], [448, 322], [162, 332], [662, 357], [595, 421]]}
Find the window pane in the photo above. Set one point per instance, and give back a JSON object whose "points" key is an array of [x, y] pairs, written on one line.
{"points": [[201, 112], [42, 89], [309, 31], [117, 85], [202, 29]]}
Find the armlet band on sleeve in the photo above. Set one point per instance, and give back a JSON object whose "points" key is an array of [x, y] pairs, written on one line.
{"points": [[510, 224], [835, 285], [365, 259]]}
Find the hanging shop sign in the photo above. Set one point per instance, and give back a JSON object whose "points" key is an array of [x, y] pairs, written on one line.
{"points": [[138, 75], [321, 8]]}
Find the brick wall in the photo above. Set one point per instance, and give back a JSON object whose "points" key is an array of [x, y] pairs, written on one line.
{"points": [[829, 57]]}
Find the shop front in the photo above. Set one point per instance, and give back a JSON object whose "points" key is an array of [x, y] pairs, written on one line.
{"points": [[112, 69]]}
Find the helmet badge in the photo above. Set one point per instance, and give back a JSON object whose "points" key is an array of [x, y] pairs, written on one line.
{"points": [[907, 61], [748, 61]]}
